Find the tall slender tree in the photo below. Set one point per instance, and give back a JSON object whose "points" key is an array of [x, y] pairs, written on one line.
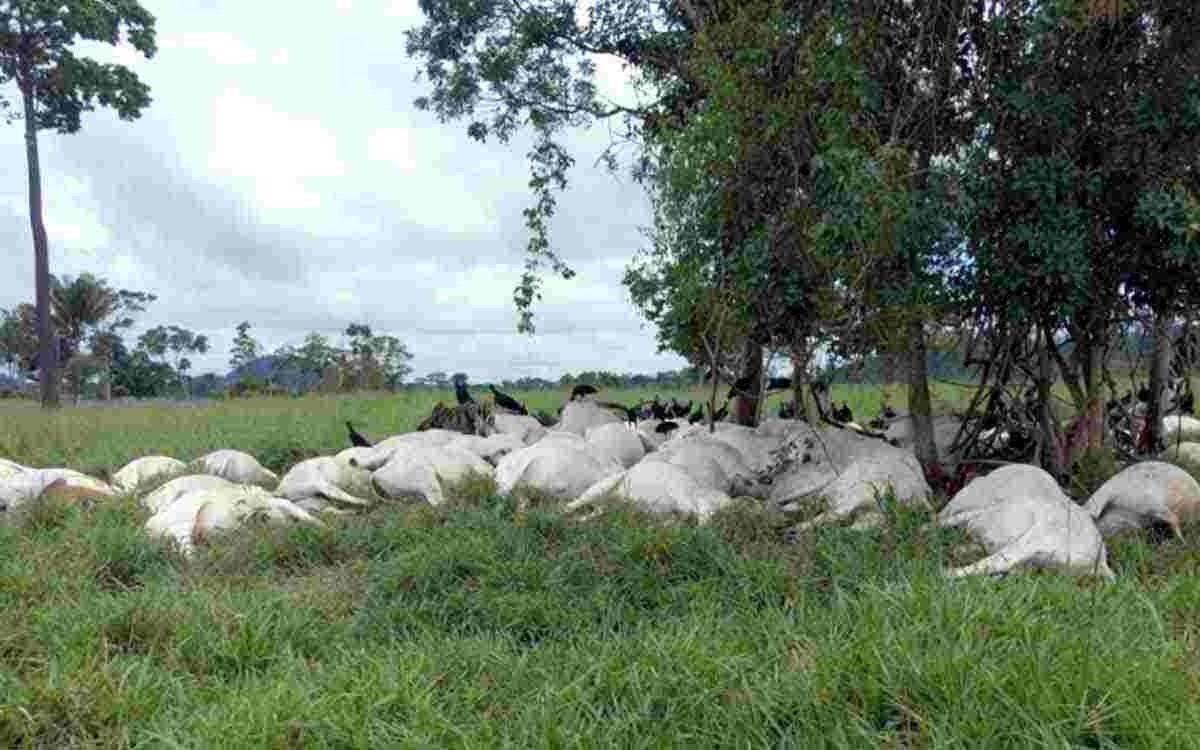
{"points": [[37, 39]]}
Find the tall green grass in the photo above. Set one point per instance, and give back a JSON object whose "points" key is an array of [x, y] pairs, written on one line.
{"points": [[480, 626]]}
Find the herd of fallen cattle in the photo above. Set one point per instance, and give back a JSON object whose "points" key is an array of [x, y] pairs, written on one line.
{"points": [[592, 459]]}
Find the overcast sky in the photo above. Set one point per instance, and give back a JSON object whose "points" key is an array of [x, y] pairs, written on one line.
{"points": [[282, 176]]}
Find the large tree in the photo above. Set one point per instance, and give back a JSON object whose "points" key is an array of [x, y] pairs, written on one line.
{"points": [[37, 39], [1076, 188], [809, 177]]}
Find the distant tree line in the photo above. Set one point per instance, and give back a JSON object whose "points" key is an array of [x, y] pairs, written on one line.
{"points": [[90, 320]]}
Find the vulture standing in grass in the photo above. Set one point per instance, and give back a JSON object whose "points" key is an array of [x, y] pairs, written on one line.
{"points": [[843, 413], [357, 440], [506, 401], [460, 393], [666, 428]]}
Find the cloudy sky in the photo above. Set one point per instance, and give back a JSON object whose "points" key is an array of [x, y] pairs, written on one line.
{"points": [[282, 176]]}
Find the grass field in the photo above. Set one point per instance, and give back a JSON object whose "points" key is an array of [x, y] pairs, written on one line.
{"points": [[475, 625]]}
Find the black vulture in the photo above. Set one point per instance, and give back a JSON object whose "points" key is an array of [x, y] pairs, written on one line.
{"points": [[507, 402], [460, 393], [357, 440], [583, 389], [843, 413], [657, 409], [666, 428], [889, 412]]}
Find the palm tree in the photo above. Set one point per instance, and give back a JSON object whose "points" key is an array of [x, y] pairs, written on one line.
{"points": [[77, 306]]}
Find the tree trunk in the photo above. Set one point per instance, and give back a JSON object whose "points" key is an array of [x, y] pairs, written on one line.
{"points": [[806, 404], [1050, 441], [1159, 364], [751, 378], [1095, 403], [920, 403], [47, 345]]}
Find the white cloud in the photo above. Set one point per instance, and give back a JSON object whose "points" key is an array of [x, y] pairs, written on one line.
{"points": [[222, 47], [393, 145], [277, 151], [280, 57], [405, 9]]}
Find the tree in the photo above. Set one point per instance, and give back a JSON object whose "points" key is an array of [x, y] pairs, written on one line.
{"points": [[1076, 192], [311, 357], [37, 41], [393, 358], [78, 305], [19, 336], [245, 348], [174, 343], [801, 186]]}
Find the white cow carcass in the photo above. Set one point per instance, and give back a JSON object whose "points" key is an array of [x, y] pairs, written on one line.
{"points": [[856, 474], [1145, 495], [382, 452], [146, 469], [1024, 519], [580, 416], [491, 448], [227, 512], [358, 453], [236, 466], [325, 477], [656, 486], [27, 486], [178, 487], [194, 516], [526, 428], [714, 463], [419, 472], [559, 465], [11, 468], [613, 442], [1177, 424]]}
